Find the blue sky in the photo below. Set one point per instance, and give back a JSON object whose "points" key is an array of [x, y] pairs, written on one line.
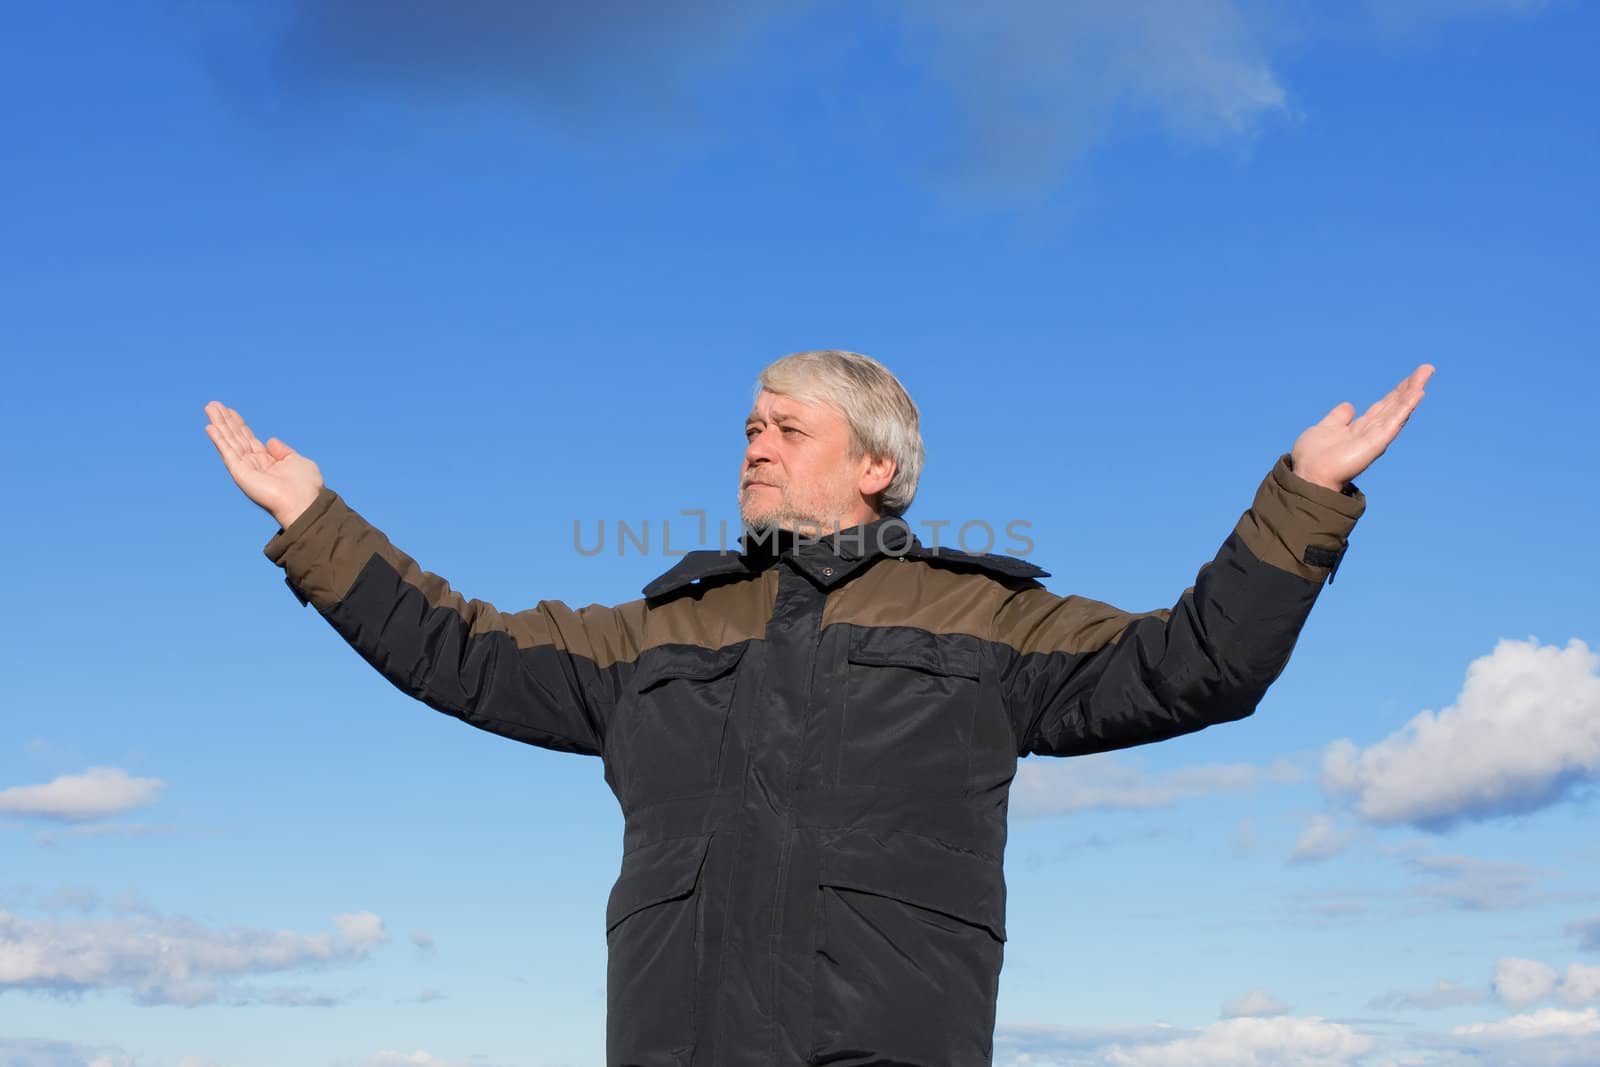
{"points": [[503, 269]]}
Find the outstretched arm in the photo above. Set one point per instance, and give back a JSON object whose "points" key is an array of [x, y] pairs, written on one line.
{"points": [[1087, 677], [542, 676]]}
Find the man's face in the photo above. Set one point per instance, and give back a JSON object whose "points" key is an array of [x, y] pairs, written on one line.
{"points": [[798, 472]]}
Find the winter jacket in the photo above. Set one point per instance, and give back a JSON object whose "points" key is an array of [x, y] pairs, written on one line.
{"points": [[812, 744]]}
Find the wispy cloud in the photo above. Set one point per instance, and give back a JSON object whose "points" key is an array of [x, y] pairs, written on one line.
{"points": [[1256, 1003], [1412, 15], [51, 838], [98, 792], [1032, 84], [1246, 839], [1523, 733], [1330, 904], [1473, 884], [1442, 881], [295, 997], [1000, 98], [595, 67], [170, 960], [1444, 995], [1321, 839], [41, 1052], [72, 898], [1587, 931], [1100, 782]]}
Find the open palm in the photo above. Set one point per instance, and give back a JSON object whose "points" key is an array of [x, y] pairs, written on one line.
{"points": [[1336, 449], [272, 475]]}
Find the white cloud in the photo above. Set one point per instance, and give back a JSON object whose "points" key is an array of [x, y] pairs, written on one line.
{"points": [[360, 927], [1549, 1037], [1546, 1022], [1051, 1044], [1100, 782], [166, 960], [1321, 839], [419, 1058], [1285, 1041], [422, 939], [1580, 984], [98, 792], [1523, 732], [1520, 982], [1257, 1002]]}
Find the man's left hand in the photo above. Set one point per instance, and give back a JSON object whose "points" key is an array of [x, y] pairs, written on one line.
{"points": [[1336, 449]]}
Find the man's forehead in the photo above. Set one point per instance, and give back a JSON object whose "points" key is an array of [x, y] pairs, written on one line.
{"points": [[770, 405]]}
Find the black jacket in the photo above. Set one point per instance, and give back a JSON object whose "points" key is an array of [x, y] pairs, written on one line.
{"points": [[813, 744]]}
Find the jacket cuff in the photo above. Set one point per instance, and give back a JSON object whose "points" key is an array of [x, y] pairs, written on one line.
{"points": [[1299, 526], [311, 548]]}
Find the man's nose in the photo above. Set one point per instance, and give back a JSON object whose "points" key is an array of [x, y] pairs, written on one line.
{"points": [[759, 450]]}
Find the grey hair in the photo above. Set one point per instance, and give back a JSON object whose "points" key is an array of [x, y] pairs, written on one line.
{"points": [[883, 419]]}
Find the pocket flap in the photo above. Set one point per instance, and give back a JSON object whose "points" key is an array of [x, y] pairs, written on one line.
{"points": [[651, 874], [921, 871], [907, 646], [664, 662]]}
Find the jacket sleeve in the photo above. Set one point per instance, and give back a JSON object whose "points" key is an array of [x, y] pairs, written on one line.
{"points": [[1083, 676], [542, 676]]}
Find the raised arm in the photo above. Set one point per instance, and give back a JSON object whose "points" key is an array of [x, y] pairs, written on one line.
{"points": [[1088, 677], [541, 676]]}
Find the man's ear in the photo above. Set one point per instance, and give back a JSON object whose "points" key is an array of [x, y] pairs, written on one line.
{"points": [[876, 475]]}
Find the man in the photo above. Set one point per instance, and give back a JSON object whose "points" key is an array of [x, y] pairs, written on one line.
{"points": [[812, 740]]}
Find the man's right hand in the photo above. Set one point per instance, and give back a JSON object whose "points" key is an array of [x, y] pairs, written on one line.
{"points": [[273, 475]]}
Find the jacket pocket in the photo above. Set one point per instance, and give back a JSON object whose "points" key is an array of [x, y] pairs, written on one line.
{"points": [[908, 702], [910, 940], [676, 721], [654, 953]]}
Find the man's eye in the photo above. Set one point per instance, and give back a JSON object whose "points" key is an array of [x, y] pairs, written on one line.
{"points": [[791, 429]]}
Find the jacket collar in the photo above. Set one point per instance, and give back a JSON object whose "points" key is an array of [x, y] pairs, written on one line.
{"points": [[830, 559]]}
